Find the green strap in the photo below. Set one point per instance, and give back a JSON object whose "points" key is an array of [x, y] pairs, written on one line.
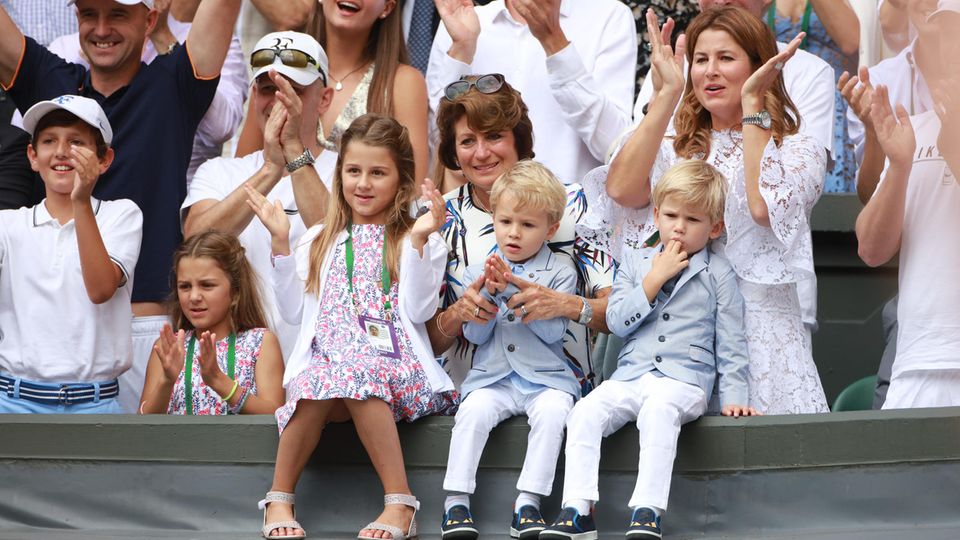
{"points": [[384, 270], [188, 368], [804, 23]]}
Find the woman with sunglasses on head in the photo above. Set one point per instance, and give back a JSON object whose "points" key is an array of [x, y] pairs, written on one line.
{"points": [[369, 72], [735, 114], [484, 131]]}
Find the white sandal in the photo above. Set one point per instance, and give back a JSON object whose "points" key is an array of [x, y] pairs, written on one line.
{"points": [[281, 497], [396, 498]]}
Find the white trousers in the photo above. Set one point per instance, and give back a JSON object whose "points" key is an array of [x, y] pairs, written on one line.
{"points": [[659, 405], [483, 409], [146, 330], [924, 388]]}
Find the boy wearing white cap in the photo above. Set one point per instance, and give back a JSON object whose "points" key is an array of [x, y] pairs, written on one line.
{"points": [[66, 269], [289, 95]]}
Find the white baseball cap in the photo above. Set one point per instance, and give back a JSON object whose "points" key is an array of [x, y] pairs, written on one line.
{"points": [[317, 63], [148, 3], [85, 109], [945, 6]]}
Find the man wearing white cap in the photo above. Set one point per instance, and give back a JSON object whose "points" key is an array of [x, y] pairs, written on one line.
{"points": [[154, 109], [914, 211], [290, 93], [67, 271]]}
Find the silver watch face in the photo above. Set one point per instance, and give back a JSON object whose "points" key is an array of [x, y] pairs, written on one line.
{"points": [[761, 119]]}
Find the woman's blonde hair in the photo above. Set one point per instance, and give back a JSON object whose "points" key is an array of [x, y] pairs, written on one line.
{"points": [[246, 308], [696, 183], [534, 187], [385, 47], [381, 132], [692, 121]]}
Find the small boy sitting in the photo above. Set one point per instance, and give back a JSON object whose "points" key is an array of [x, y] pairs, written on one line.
{"points": [[65, 271], [679, 310], [519, 366]]}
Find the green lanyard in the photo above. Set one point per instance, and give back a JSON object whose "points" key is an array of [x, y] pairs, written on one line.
{"points": [[804, 23], [188, 368], [384, 273]]}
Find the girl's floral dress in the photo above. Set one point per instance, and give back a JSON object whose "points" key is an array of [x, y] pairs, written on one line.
{"points": [[205, 399]]}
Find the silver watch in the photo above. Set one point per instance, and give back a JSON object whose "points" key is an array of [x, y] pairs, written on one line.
{"points": [[304, 159], [586, 312], [761, 119]]}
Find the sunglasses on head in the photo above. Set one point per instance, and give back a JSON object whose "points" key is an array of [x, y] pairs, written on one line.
{"points": [[485, 84], [288, 57]]}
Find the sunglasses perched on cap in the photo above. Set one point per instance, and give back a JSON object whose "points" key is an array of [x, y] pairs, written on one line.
{"points": [[288, 57], [485, 84]]}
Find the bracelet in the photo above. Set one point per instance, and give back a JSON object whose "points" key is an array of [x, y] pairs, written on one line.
{"points": [[236, 384], [244, 394], [440, 326]]}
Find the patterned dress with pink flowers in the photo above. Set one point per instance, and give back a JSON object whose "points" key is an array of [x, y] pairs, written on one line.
{"points": [[344, 365], [205, 399]]}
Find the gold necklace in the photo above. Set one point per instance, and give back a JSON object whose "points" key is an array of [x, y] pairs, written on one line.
{"points": [[339, 86]]}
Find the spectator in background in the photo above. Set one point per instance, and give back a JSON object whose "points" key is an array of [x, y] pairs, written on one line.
{"points": [[43, 20], [896, 27], [833, 34], [154, 110], [226, 111], [681, 11], [19, 184], [572, 61], [260, 17]]}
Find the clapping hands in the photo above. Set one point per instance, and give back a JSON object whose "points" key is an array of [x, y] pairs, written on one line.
{"points": [[273, 217], [431, 221]]}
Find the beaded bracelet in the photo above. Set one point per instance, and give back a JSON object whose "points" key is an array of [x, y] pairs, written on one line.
{"points": [[244, 394]]}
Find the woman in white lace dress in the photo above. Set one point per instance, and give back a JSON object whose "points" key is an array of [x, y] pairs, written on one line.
{"points": [[734, 113]]}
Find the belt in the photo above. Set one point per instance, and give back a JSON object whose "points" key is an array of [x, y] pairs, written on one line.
{"points": [[58, 394]]}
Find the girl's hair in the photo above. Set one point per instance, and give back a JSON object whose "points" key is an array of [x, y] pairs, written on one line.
{"points": [[381, 132], [385, 47], [692, 121], [487, 113], [246, 308], [696, 183], [535, 188]]}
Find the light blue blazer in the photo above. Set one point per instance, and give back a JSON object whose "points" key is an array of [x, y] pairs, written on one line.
{"points": [[533, 350], [695, 335]]}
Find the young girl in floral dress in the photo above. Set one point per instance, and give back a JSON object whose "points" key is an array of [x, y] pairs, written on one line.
{"points": [[222, 359], [362, 285]]}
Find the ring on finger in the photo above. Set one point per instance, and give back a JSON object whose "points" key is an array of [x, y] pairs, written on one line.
{"points": [[476, 312], [523, 311], [778, 66]]}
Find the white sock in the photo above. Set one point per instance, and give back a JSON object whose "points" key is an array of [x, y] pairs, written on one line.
{"points": [[581, 505], [454, 499], [526, 498]]}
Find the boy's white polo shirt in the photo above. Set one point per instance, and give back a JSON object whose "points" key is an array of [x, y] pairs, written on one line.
{"points": [[50, 331], [217, 179]]}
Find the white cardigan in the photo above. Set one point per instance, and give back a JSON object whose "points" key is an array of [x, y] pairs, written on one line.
{"points": [[419, 285]]}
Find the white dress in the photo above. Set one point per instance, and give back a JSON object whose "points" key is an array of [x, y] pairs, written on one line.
{"points": [[769, 261]]}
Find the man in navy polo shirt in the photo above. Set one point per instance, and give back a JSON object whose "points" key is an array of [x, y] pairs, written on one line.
{"points": [[154, 110]]}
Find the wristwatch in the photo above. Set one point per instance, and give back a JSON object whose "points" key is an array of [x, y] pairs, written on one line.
{"points": [[304, 159], [586, 312], [761, 119]]}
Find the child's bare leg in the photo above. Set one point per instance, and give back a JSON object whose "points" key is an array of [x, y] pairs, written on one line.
{"points": [[297, 443], [378, 433]]}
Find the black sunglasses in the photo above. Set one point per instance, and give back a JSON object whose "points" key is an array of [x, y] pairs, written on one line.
{"points": [[485, 84], [288, 57]]}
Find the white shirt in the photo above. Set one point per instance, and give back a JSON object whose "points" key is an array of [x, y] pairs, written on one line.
{"points": [[810, 84], [50, 331], [218, 178], [578, 99], [226, 110], [928, 311], [906, 86]]}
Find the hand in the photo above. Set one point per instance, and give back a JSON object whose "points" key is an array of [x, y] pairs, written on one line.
{"points": [[737, 411], [433, 220], [670, 261], [543, 20], [666, 65], [493, 270], [894, 133], [170, 351], [465, 308], [273, 217], [163, 9], [210, 370], [535, 302], [273, 157], [460, 19], [754, 91], [858, 93], [287, 97], [86, 165]]}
